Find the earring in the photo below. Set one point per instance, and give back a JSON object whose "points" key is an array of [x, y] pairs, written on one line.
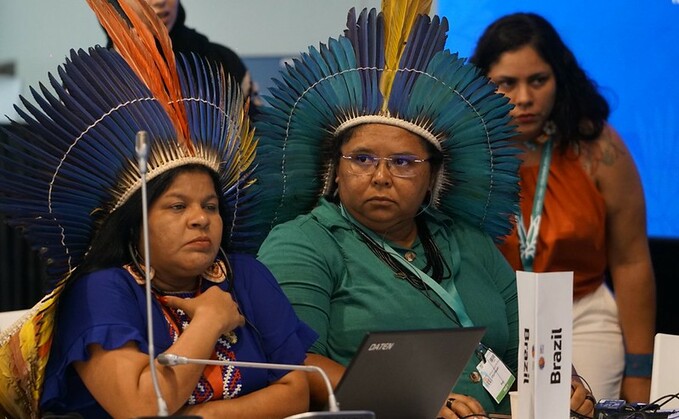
{"points": [[216, 272], [219, 270], [138, 271], [549, 128]]}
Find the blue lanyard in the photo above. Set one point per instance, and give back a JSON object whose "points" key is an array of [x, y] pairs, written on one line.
{"points": [[528, 239], [451, 297]]}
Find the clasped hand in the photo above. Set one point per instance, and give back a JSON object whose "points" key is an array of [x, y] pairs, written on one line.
{"points": [[213, 304]]}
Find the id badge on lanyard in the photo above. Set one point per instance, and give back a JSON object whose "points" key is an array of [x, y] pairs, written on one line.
{"points": [[496, 376]]}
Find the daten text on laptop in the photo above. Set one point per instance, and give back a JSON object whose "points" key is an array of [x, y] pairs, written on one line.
{"points": [[406, 374]]}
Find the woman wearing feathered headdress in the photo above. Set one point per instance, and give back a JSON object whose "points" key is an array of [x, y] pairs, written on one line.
{"points": [[73, 184], [393, 154]]}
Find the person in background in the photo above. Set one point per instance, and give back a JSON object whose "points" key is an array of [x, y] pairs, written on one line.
{"points": [[394, 157], [73, 181], [587, 203], [187, 40]]}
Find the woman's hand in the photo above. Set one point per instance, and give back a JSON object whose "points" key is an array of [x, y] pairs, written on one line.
{"points": [[214, 304], [636, 389], [582, 401], [459, 406]]}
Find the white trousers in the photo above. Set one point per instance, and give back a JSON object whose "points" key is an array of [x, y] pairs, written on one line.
{"points": [[598, 349]]}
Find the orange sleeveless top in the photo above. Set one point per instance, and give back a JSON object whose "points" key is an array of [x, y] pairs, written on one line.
{"points": [[573, 227]]}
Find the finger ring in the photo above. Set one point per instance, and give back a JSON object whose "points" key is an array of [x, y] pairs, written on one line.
{"points": [[449, 403], [591, 398]]}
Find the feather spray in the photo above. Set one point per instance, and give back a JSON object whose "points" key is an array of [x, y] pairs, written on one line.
{"points": [[24, 351], [148, 38], [399, 18]]}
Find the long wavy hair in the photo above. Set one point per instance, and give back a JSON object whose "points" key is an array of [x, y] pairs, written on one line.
{"points": [[580, 111]]}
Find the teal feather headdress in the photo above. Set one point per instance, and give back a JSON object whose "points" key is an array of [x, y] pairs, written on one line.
{"points": [[370, 75]]}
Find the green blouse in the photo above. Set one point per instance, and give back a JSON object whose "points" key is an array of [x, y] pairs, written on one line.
{"points": [[342, 290]]}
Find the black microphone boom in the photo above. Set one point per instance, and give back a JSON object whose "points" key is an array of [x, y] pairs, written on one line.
{"points": [[333, 406]]}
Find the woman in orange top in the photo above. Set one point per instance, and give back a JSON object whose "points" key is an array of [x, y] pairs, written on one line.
{"points": [[582, 204]]}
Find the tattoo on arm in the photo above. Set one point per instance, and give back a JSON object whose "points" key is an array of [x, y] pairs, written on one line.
{"points": [[609, 150]]}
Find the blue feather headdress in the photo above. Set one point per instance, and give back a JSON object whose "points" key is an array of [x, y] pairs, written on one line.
{"points": [[390, 68], [73, 162]]}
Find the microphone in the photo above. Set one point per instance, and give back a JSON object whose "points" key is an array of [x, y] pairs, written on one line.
{"points": [[142, 150], [141, 147], [333, 406]]}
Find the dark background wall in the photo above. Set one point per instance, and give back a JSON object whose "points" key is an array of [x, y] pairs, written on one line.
{"points": [[21, 271], [665, 254]]}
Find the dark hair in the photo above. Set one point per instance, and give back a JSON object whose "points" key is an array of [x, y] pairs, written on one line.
{"points": [[333, 153], [110, 242], [580, 111]]}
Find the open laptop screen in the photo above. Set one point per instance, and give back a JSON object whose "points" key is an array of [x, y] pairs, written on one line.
{"points": [[406, 374]]}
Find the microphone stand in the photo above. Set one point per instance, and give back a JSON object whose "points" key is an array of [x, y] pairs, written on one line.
{"points": [[333, 405], [142, 150]]}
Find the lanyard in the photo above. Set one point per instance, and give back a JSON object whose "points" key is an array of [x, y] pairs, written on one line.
{"points": [[450, 297], [528, 239]]}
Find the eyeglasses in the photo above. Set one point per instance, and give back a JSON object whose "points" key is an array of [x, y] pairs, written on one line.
{"points": [[401, 165]]}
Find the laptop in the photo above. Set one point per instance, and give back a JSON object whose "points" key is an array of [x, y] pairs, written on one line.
{"points": [[406, 374]]}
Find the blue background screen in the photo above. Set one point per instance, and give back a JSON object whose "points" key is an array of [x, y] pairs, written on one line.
{"points": [[631, 49]]}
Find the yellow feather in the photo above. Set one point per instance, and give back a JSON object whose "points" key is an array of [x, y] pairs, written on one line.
{"points": [[24, 352], [247, 148], [146, 47], [399, 18]]}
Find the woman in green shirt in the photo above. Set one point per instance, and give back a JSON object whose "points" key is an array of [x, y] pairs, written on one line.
{"points": [[393, 155], [342, 284]]}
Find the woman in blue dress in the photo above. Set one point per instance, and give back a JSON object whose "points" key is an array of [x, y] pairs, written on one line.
{"points": [[75, 181]]}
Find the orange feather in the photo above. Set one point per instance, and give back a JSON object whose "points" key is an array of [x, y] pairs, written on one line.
{"points": [[146, 46]]}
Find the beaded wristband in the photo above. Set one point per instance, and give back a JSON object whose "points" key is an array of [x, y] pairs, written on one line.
{"points": [[638, 365]]}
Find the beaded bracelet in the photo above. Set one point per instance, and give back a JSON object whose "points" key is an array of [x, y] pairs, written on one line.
{"points": [[638, 365]]}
